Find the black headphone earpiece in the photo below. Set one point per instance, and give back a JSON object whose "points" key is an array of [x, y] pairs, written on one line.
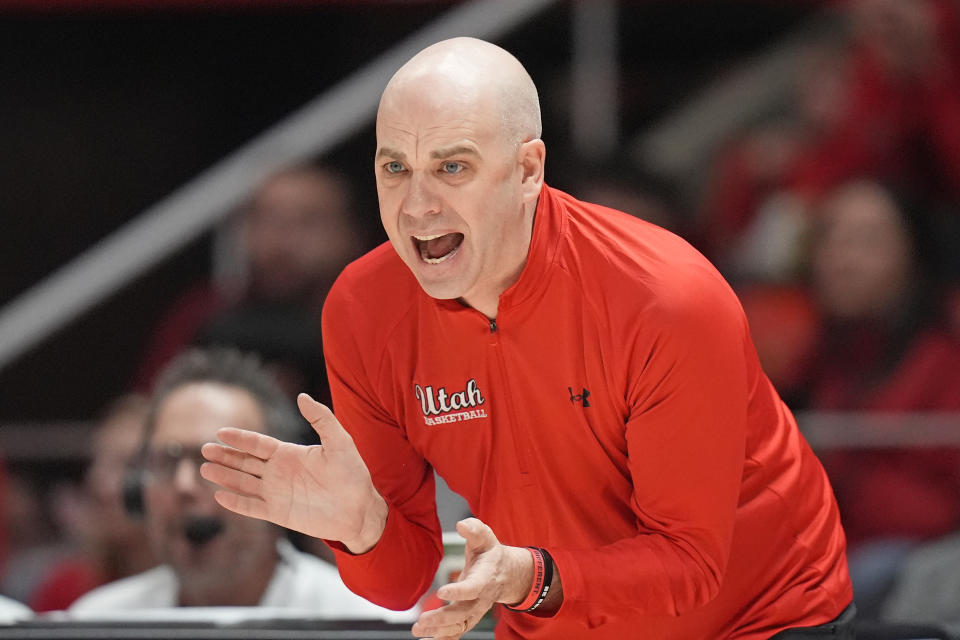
{"points": [[133, 503]]}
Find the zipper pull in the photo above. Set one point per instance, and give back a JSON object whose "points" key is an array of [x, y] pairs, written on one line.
{"points": [[493, 326]]}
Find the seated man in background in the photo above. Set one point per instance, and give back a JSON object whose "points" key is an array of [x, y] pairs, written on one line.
{"points": [[210, 556]]}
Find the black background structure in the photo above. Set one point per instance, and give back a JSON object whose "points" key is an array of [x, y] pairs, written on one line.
{"points": [[104, 109]]}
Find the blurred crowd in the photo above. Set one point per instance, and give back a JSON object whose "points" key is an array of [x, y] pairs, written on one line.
{"points": [[837, 221]]}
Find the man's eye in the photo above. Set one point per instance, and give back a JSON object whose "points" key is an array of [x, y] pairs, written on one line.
{"points": [[452, 167], [393, 167]]}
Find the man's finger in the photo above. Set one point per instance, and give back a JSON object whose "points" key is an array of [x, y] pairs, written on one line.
{"points": [[244, 505], [452, 620], [460, 591], [231, 479], [442, 632], [232, 458], [256, 444]]}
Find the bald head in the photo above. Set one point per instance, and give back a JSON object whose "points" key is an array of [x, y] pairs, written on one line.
{"points": [[472, 72], [459, 168]]}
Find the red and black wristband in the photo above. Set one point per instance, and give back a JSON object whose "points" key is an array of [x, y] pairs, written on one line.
{"points": [[542, 578]]}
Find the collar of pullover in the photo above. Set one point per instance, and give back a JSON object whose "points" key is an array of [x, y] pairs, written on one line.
{"points": [[549, 224]]}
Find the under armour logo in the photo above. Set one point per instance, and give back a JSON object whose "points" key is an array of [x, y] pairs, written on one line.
{"points": [[579, 397]]}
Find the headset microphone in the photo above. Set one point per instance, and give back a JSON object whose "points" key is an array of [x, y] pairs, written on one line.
{"points": [[199, 530]]}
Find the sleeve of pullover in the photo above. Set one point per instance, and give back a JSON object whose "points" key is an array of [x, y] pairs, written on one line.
{"points": [[402, 565], [687, 390]]}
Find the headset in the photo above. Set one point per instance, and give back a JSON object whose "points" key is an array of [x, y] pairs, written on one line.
{"points": [[134, 479], [286, 421], [198, 530], [137, 474]]}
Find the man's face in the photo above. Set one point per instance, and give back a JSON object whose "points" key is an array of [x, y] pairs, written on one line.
{"points": [[297, 234], [449, 186], [862, 261], [177, 498]]}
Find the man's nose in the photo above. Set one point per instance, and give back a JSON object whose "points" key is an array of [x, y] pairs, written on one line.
{"points": [[420, 199], [186, 476]]}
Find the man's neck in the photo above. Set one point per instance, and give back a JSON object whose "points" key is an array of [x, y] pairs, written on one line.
{"points": [[230, 591], [488, 303]]}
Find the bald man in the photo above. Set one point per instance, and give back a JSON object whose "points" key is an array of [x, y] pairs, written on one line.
{"points": [[584, 379]]}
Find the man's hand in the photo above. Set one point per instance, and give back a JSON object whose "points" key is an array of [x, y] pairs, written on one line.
{"points": [[323, 491], [492, 573]]}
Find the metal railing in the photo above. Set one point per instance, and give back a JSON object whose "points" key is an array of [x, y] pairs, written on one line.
{"points": [[31, 441]]}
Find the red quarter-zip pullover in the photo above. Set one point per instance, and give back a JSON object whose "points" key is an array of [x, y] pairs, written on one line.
{"points": [[614, 413]]}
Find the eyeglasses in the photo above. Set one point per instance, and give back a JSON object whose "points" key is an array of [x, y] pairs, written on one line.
{"points": [[161, 464]]}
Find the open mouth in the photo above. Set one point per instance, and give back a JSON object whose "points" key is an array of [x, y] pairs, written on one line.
{"points": [[438, 248]]}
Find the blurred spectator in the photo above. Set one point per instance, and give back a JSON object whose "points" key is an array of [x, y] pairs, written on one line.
{"points": [[111, 543], [296, 234], [212, 557], [32, 542], [885, 106], [884, 346], [749, 222], [754, 230], [900, 120]]}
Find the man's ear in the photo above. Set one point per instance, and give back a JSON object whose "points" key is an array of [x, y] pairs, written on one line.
{"points": [[531, 157]]}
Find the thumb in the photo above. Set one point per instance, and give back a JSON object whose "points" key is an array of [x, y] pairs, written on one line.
{"points": [[320, 418], [478, 536]]}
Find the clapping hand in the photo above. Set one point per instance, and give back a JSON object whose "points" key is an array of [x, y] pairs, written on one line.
{"points": [[324, 490], [492, 573]]}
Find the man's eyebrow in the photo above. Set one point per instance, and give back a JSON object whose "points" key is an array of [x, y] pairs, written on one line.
{"points": [[387, 152], [457, 150]]}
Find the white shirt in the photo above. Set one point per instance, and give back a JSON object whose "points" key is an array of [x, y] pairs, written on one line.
{"points": [[12, 611], [302, 585]]}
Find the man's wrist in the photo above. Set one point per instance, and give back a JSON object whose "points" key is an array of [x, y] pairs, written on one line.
{"points": [[371, 530], [521, 575], [542, 580]]}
